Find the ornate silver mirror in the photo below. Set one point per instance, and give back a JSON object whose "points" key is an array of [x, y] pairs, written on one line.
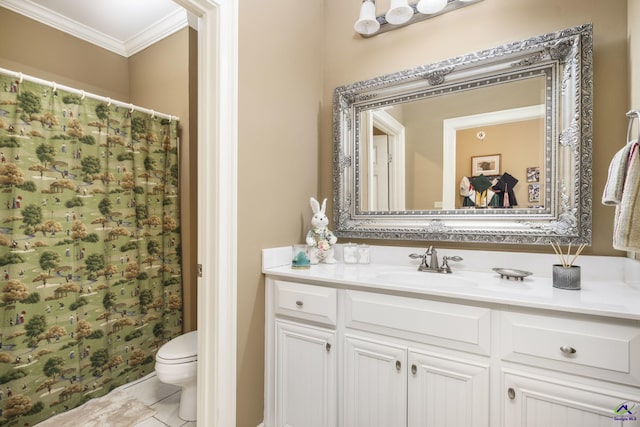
{"points": [[493, 146]]}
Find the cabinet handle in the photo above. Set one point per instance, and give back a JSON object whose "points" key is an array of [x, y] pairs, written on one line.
{"points": [[299, 303], [328, 346], [414, 369], [511, 393], [398, 365], [567, 349]]}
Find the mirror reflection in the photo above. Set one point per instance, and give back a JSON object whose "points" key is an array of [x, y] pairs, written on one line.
{"points": [[427, 154]]}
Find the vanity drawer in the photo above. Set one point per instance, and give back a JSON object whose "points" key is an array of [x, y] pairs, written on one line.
{"points": [[456, 326], [309, 302], [595, 347]]}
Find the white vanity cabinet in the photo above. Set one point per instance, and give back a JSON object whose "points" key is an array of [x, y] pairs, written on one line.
{"points": [[386, 384], [306, 376], [535, 400], [447, 391], [395, 371], [570, 370], [301, 383], [375, 383], [350, 354], [377, 361]]}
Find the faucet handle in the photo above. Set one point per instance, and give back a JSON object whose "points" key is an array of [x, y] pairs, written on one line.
{"points": [[423, 263], [446, 259]]}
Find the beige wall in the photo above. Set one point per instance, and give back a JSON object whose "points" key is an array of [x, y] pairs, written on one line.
{"points": [[490, 23], [35, 49], [280, 99], [159, 79]]}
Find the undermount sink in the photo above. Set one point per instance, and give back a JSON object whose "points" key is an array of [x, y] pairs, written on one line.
{"points": [[425, 279]]}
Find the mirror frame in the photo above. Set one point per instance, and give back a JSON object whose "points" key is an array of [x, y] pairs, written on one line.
{"points": [[565, 57]]}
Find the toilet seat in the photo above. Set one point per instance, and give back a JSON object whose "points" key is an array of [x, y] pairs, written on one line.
{"points": [[182, 349]]}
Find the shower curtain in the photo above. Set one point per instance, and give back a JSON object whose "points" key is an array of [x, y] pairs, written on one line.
{"points": [[90, 265]]}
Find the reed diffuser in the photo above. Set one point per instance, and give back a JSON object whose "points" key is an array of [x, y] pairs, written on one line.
{"points": [[566, 275]]}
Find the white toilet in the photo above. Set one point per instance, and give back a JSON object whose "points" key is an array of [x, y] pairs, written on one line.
{"points": [[176, 363]]}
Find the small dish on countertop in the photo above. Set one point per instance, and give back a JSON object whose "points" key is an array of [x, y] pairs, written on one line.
{"points": [[509, 273]]}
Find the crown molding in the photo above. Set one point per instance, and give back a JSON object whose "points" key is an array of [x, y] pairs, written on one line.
{"points": [[156, 32], [150, 35]]}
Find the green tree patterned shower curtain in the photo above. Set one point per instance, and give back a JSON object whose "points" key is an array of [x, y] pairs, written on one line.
{"points": [[89, 247]]}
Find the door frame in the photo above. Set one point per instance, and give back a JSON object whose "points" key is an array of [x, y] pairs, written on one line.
{"points": [[396, 133], [217, 208]]}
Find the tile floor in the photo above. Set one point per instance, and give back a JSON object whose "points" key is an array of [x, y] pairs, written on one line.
{"points": [[164, 398]]}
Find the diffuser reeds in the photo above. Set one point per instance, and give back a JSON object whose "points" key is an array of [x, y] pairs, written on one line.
{"points": [[564, 259]]}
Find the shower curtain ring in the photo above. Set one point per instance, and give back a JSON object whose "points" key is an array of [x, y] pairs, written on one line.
{"points": [[108, 102], [153, 114], [131, 108], [55, 86], [20, 77], [82, 95]]}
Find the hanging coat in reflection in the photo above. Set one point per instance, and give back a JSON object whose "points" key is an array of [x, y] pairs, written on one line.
{"points": [[467, 192], [504, 190], [494, 199]]}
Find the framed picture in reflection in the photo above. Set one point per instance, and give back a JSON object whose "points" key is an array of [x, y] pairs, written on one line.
{"points": [[533, 174], [485, 165], [534, 193]]}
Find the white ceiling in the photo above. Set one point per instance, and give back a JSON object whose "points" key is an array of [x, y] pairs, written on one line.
{"points": [[121, 26]]}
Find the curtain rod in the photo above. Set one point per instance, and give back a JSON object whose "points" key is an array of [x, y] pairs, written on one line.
{"points": [[84, 94]]}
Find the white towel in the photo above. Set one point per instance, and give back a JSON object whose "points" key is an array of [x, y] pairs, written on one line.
{"points": [[612, 194], [626, 230]]}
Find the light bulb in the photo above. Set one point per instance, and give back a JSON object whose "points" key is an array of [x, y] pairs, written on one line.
{"points": [[367, 23], [429, 7], [399, 12]]}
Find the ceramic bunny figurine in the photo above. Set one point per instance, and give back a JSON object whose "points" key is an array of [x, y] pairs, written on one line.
{"points": [[320, 239]]}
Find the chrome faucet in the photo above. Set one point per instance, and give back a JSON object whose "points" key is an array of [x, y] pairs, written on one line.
{"points": [[432, 253], [433, 266]]}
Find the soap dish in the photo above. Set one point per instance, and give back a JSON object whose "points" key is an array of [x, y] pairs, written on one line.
{"points": [[509, 273]]}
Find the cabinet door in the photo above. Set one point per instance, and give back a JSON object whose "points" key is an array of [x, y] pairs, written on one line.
{"points": [[305, 376], [447, 392], [543, 402], [375, 384]]}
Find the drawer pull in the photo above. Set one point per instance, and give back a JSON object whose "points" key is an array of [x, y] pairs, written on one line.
{"points": [[398, 365], [567, 349], [511, 393], [299, 303], [328, 346], [414, 369]]}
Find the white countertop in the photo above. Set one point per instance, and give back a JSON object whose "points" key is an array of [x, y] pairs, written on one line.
{"points": [[609, 284]]}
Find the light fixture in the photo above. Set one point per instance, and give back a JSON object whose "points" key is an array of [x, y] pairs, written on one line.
{"points": [[367, 23], [401, 14], [431, 6]]}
